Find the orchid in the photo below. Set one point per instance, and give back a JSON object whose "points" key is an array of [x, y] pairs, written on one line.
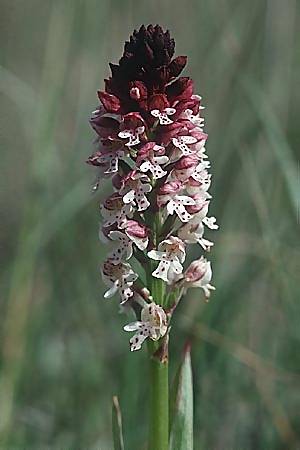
{"points": [[153, 325], [119, 277], [151, 145], [171, 254]]}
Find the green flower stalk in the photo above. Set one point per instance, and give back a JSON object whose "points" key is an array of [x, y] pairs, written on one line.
{"points": [[151, 144]]}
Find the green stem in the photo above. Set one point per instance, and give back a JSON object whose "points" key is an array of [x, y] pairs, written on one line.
{"points": [[159, 383], [159, 403]]}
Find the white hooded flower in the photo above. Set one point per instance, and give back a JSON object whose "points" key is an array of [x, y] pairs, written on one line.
{"points": [[153, 325], [114, 210], [119, 278], [134, 187], [163, 116], [133, 233], [177, 205], [199, 274], [194, 119], [169, 195], [181, 143], [151, 158], [192, 233], [133, 136], [111, 160], [171, 254]]}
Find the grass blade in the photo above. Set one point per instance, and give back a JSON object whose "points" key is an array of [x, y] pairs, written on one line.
{"points": [[117, 425], [181, 407]]}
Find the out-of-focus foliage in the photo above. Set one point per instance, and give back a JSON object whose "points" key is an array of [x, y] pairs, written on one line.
{"points": [[63, 351]]}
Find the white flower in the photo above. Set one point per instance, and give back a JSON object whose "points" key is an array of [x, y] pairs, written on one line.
{"points": [[195, 119], [111, 159], [200, 209], [193, 187], [210, 222], [193, 233], [181, 143], [124, 248], [133, 136], [118, 277], [154, 166], [163, 115], [153, 325], [177, 204], [134, 233], [149, 161], [114, 210], [171, 254], [201, 175], [134, 190], [199, 274]]}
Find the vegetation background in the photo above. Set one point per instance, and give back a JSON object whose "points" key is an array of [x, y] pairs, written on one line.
{"points": [[63, 351]]}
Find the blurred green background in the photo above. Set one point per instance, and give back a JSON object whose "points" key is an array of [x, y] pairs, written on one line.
{"points": [[63, 351]]}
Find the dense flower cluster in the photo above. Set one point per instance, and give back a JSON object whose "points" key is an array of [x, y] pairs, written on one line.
{"points": [[151, 143]]}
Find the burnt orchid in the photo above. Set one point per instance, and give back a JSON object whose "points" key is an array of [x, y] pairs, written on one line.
{"points": [[151, 144]]}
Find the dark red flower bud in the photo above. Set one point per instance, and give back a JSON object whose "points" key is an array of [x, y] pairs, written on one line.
{"points": [[177, 65], [110, 102], [181, 89], [133, 120], [158, 101]]}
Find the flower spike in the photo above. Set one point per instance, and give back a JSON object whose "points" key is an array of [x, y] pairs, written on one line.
{"points": [[151, 145]]}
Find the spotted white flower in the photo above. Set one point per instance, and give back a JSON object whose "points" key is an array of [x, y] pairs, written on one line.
{"points": [[123, 250], [194, 119], [199, 274], [169, 195], [163, 116], [111, 159], [134, 233], [119, 278], [193, 187], [192, 233], [151, 159], [171, 254], [181, 142], [133, 136], [210, 222], [153, 325], [134, 187], [201, 175], [114, 210], [199, 210], [190, 166], [177, 205]]}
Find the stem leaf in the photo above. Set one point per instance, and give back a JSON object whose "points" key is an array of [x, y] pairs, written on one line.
{"points": [[181, 407], [117, 425]]}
